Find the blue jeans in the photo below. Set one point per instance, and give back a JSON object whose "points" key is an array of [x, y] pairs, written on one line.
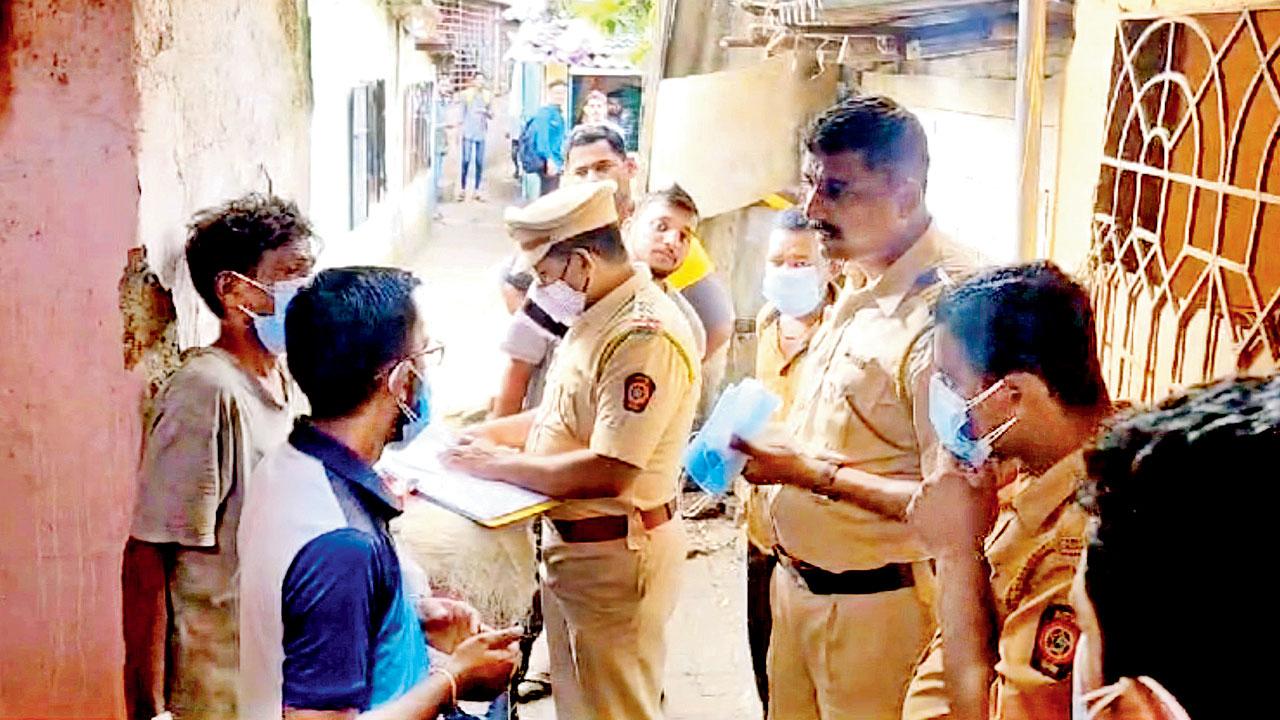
{"points": [[472, 153]]}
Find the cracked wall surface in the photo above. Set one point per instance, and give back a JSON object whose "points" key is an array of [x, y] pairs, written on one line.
{"points": [[117, 121], [225, 109]]}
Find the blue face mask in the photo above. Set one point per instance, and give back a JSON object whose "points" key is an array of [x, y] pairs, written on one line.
{"points": [[415, 415], [949, 416], [270, 328], [795, 291]]}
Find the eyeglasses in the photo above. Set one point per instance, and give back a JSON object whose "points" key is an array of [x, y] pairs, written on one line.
{"points": [[433, 354]]}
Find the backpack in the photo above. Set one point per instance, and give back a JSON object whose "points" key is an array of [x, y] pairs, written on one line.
{"points": [[530, 161]]}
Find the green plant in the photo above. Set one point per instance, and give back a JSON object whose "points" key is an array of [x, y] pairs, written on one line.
{"points": [[626, 18]]}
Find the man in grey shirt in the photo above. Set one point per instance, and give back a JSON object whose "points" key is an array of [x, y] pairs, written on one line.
{"points": [[476, 114], [217, 415]]}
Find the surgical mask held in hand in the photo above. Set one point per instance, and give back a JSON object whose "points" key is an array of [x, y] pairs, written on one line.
{"points": [[743, 410], [795, 291], [949, 416], [559, 300], [270, 327]]}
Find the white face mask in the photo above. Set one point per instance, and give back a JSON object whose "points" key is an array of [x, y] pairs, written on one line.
{"points": [[559, 300], [795, 291]]}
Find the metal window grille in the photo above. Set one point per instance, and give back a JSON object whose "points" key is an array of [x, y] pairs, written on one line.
{"points": [[367, 116], [1185, 259], [472, 30], [419, 126]]}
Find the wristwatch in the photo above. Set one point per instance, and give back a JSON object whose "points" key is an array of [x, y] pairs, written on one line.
{"points": [[827, 480]]}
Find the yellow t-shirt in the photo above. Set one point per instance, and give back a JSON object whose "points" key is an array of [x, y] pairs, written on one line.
{"points": [[697, 265]]}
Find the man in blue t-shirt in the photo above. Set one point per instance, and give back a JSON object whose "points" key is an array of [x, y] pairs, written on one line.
{"points": [[328, 626], [548, 136]]}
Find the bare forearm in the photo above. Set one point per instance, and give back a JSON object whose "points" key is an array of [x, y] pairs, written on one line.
{"points": [[573, 475], [512, 391], [717, 337], [968, 658], [509, 431], [145, 621], [884, 496]]}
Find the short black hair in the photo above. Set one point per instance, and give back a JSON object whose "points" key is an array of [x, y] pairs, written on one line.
{"points": [[234, 236], [791, 220], [674, 196], [591, 134], [884, 133], [605, 242], [1031, 318], [344, 330], [1171, 539]]}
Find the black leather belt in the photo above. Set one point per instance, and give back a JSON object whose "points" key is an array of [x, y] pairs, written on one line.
{"points": [[611, 527], [886, 578]]}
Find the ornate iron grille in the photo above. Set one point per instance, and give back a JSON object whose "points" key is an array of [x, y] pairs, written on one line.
{"points": [[471, 29], [1185, 259]]}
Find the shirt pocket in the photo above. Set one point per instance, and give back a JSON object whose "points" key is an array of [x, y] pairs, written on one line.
{"points": [[866, 406]]}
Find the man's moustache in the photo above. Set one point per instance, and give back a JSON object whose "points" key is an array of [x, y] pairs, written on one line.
{"points": [[825, 229]]}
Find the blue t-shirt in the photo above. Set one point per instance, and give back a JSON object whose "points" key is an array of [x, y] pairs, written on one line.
{"points": [[349, 637], [549, 133]]}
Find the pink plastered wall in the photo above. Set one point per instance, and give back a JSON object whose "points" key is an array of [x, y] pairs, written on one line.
{"points": [[68, 410]]}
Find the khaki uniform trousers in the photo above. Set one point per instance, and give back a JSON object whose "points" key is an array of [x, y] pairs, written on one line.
{"points": [[605, 607], [843, 657]]}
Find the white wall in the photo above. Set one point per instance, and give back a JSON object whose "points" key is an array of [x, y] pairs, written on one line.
{"points": [[354, 42], [972, 151], [222, 113]]}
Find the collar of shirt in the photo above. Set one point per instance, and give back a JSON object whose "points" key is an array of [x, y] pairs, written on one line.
{"points": [[253, 384], [1040, 496], [773, 333], [904, 274], [339, 460], [606, 307]]}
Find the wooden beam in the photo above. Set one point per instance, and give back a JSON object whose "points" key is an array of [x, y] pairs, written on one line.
{"points": [[1028, 119]]}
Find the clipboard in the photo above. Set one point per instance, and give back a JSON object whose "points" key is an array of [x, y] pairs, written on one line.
{"points": [[488, 503]]}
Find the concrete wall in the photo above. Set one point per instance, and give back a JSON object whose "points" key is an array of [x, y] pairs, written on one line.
{"points": [[354, 42], [117, 121], [973, 145], [225, 100], [68, 409]]}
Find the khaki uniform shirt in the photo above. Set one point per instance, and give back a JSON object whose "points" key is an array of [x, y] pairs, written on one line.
{"points": [[777, 372], [863, 394], [211, 424], [623, 383], [1033, 551]]}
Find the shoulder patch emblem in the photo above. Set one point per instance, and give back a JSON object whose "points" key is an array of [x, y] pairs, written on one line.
{"points": [[637, 391], [1056, 641]]}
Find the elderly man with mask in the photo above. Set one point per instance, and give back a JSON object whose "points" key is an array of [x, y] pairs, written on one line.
{"points": [[606, 440], [221, 410]]}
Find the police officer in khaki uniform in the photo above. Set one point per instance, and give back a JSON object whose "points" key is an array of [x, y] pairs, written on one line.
{"points": [[1018, 379], [851, 594], [607, 441]]}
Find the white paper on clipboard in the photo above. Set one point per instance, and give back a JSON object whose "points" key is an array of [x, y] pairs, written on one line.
{"points": [[488, 502]]}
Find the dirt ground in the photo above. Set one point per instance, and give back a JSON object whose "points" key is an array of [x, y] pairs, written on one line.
{"points": [[708, 667]]}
